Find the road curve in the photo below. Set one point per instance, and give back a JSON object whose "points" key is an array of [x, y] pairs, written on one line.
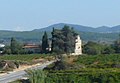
{"points": [[20, 74]]}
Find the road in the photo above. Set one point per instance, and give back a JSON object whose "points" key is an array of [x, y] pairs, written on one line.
{"points": [[19, 74]]}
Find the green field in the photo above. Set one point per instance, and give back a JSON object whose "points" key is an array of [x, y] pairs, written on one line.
{"points": [[97, 69], [26, 59], [99, 61]]}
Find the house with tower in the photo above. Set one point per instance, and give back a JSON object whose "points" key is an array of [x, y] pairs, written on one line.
{"points": [[78, 46]]}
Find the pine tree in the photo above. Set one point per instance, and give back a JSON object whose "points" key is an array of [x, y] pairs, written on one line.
{"points": [[45, 44], [63, 41]]}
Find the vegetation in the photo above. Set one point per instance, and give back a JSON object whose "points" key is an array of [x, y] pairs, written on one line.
{"points": [[15, 47], [84, 69], [116, 46], [92, 48], [14, 61], [100, 65], [63, 41], [99, 61], [27, 58], [45, 44], [84, 76], [35, 36], [36, 76], [86, 61], [75, 76]]}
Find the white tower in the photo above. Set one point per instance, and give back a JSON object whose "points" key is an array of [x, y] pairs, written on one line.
{"points": [[78, 46]]}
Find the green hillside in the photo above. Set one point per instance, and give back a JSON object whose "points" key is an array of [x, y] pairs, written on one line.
{"points": [[37, 35]]}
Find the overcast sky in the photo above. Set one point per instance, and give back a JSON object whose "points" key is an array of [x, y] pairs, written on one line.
{"points": [[34, 14]]}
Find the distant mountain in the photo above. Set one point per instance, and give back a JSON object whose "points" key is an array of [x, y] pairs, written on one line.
{"points": [[102, 33], [102, 29], [36, 36], [61, 25]]}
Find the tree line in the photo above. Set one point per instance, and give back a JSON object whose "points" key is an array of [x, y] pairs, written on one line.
{"points": [[63, 41], [93, 48]]}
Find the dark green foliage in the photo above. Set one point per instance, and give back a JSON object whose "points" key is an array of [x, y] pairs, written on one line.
{"points": [[116, 46], [108, 50], [92, 48], [45, 44], [7, 50], [35, 36], [16, 47], [63, 41], [13, 46], [58, 65]]}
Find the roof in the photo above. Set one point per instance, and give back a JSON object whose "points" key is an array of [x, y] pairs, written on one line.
{"points": [[31, 46]]}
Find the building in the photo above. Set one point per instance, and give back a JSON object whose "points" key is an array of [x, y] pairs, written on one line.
{"points": [[32, 48], [1, 48], [78, 46]]}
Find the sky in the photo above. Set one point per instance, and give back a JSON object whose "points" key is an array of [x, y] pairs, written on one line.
{"points": [[26, 15]]}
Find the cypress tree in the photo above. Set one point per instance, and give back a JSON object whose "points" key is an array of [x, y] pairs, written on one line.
{"points": [[13, 46], [52, 39], [45, 44]]}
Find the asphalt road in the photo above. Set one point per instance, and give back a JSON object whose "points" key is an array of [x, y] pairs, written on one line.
{"points": [[12, 76]]}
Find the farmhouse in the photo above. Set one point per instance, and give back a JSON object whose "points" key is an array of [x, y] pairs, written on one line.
{"points": [[32, 48]]}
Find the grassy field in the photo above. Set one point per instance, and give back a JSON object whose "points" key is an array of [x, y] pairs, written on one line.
{"points": [[28, 57]]}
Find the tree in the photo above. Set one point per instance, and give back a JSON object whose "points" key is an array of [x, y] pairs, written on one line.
{"points": [[7, 50], [116, 46], [16, 47], [108, 50], [13, 46], [45, 45], [92, 48], [69, 39], [63, 41], [53, 40]]}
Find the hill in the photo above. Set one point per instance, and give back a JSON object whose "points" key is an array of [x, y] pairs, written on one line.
{"points": [[36, 36], [102, 29], [101, 34], [61, 25]]}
